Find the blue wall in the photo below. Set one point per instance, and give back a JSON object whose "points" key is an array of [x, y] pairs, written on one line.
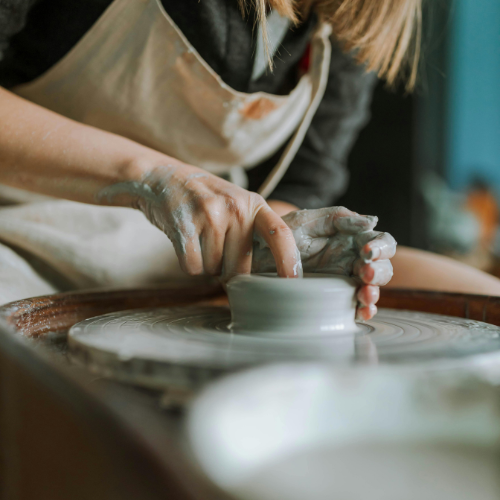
{"points": [[473, 143]]}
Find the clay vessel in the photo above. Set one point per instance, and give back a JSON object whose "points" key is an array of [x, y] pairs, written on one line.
{"points": [[315, 305]]}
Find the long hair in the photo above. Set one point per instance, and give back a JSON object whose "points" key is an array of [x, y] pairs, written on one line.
{"points": [[385, 35]]}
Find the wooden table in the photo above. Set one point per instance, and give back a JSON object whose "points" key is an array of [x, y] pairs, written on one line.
{"points": [[65, 434]]}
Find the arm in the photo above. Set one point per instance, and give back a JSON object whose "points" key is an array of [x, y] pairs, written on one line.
{"points": [[47, 153], [210, 221], [282, 207]]}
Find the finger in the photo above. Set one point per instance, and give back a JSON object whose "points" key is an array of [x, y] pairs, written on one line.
{"points": [[237, 257], [364, 313], [374, 273], [189, 253], [368, 295], [302, 217], [279, 238], [328, 221], [338, 257], [212, 249], [376, 246]]}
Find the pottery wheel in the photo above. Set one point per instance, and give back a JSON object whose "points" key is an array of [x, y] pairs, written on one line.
{"points": [[190, 345]]}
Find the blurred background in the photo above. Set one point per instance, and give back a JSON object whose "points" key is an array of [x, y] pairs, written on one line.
{"points": [[428, 164]]}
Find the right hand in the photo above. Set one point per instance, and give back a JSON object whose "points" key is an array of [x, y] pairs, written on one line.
{"points": [[210, 221]]}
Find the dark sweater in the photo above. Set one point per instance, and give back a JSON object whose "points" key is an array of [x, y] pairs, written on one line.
{"points": [[35, 34]]}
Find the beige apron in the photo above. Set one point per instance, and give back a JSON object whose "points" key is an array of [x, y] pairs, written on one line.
{"points": [[135, 74]]}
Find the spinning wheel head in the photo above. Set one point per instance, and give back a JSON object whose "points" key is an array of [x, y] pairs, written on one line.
{"points": [[189, 346]]}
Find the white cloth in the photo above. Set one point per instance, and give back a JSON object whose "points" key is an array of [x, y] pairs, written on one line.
{"points": [[65, 245], [135, 74], [18, 279]]}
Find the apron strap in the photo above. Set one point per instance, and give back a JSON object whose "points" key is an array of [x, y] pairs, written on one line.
{"points": [[320, 69]]}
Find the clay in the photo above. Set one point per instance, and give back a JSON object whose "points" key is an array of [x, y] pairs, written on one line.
{"points": [[318, 304]]}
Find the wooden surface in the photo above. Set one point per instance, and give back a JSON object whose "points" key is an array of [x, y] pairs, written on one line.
{"points": [[57, 313], [66, 435], [476, 307]]}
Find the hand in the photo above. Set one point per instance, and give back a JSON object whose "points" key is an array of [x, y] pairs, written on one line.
{"points": [[210, 221], [337, 241]]}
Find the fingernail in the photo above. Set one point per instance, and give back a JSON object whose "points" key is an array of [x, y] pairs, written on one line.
{"points": [[375, 253], [372, 254], [366, 312], [360, 312]]}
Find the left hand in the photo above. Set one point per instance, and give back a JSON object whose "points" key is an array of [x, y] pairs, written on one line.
{"points": [[336, 240]]}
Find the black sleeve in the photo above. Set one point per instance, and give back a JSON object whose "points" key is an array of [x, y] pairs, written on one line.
{"points": [[12, 20], [318, 175]]}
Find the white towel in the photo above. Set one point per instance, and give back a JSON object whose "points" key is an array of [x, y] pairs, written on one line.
{"points": [[59, 245]]}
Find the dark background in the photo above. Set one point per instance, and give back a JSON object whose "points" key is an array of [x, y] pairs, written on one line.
{"points": [[381, 164], [450, 126]]}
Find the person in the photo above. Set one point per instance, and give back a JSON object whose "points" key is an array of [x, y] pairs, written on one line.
{"points": [[217, 132]]}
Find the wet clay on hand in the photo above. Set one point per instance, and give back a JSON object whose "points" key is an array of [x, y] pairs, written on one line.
{"points": [[338, 241]]}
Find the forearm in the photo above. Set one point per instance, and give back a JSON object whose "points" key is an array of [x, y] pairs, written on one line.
{"points": [[281, 207], [47, 153]]}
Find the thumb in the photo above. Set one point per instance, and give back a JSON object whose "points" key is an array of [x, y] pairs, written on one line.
{"points": [[355, 224]]}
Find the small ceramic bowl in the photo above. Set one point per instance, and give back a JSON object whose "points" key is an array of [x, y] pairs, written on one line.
{"points": [[310, 431], [317, 304]]}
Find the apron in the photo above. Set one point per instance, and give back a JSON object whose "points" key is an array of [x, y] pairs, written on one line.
{"points": [[135, 74]]}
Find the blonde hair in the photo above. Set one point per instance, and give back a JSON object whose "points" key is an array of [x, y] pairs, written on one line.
{"points": [[385, 35]]}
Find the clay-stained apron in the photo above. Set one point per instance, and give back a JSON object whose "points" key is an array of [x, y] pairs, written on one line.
{"points": [[135, 74]]}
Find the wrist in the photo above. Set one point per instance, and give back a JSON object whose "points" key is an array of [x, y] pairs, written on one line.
{"points": [[135, 180], [139, 168]]}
